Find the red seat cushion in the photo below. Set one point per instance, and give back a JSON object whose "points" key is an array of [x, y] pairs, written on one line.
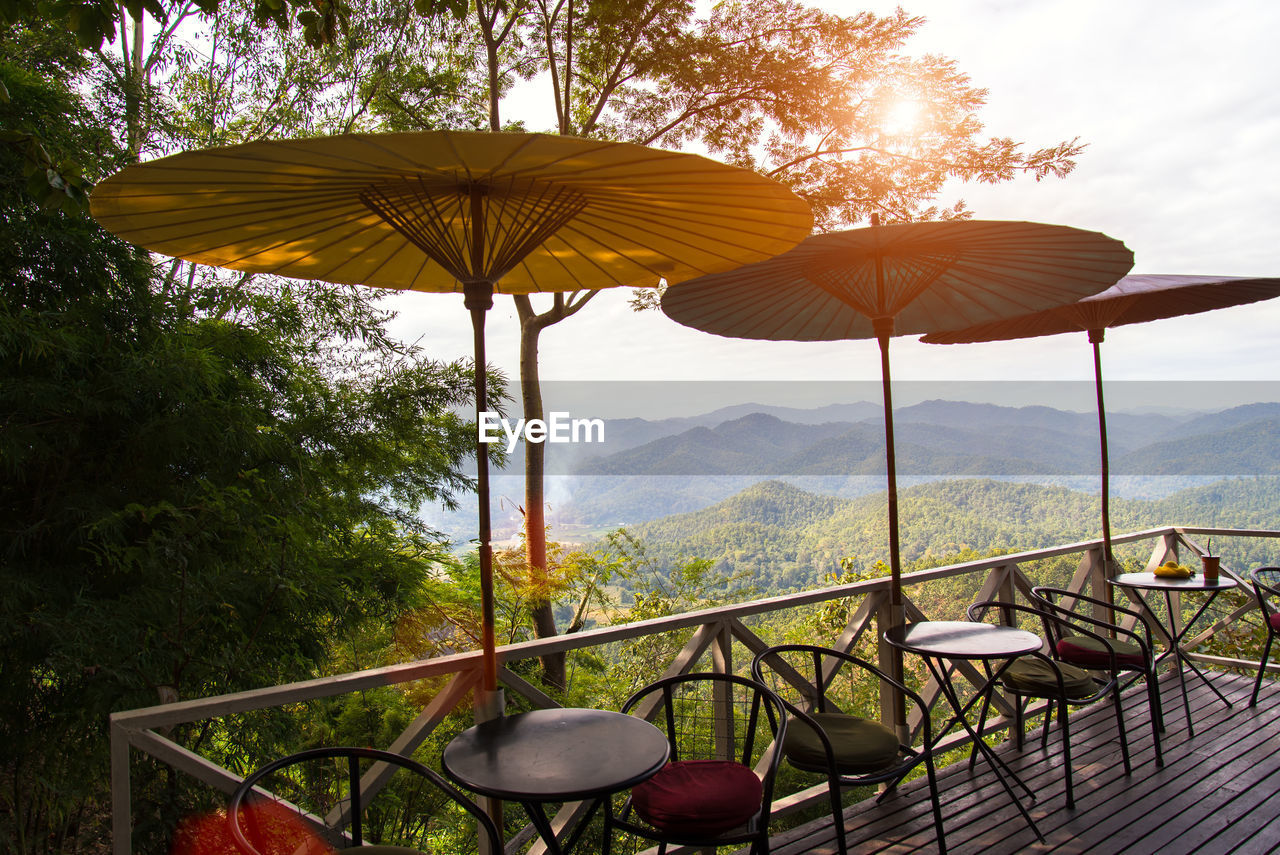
{"points": [[1274, 620], [1092, 653], [699, 797]]}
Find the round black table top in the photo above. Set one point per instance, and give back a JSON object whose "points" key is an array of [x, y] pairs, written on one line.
{"points": [[556, 755], [1152, 582], [962, 639]]}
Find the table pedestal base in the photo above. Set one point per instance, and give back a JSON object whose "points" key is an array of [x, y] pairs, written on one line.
{"points": [[998, 766], [1175, 650]]}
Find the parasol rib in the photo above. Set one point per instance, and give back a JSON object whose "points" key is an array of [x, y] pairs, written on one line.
{"points": [[476, 231], [852, 285]]}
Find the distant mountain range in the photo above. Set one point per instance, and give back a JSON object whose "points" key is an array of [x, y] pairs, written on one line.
{"points": [[647, 469], [947, 438]]}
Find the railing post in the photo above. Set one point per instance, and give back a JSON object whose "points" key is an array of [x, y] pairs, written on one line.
{"points": [[722, 649], [487, 706], [1165, 550], [1099, 588], [892, 703], [722, 663], [1005, 591], [121, 807]]}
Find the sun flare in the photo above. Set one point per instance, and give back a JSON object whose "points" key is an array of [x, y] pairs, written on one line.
{"points": [[902, 116]]}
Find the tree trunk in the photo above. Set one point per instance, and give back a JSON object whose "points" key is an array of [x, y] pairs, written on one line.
{"points": [[535, 526], [134, 86]]}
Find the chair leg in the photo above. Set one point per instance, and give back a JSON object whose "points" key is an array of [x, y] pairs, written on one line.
{"points": [[1048, 720], [937, 806], [1017, 719], [837, 815], [1124, 737], [1262, 668], [1066, 752], [1157, 725], [1153, 679]]}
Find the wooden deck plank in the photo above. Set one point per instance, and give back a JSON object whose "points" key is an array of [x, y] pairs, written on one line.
{"points": [[1096, 760], [1258, 829], [1212, 796], [1105, 819], [1121, 817]]}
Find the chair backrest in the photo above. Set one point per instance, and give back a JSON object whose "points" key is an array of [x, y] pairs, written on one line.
{"points": [[817, 679], [1034, 618], [306, 802], [717, 716], [1064, 603], [1266, 585]]}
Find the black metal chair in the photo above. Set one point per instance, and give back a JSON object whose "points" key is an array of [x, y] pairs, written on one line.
{"points": [[825, 736], [718, 787], [310, 802], [1266, 585], [1059, 683], [1093, 643]]}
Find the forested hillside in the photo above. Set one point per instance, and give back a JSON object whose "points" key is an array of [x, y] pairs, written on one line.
{"points": [[787, 539]]}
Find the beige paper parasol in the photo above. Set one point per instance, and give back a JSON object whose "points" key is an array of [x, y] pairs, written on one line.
{"points": [[895, 280], [455, 211], [1133, 300]]}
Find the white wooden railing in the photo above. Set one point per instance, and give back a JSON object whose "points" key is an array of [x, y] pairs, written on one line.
{"points": [[716, 631]]}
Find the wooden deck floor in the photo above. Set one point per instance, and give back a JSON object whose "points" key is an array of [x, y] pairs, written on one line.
{"points": [[1219, 791]]}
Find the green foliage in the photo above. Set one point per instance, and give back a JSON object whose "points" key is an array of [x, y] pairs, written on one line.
{"points": [[94, 22], [389, 71], [43, 128], [205, 483], [617, 581]]}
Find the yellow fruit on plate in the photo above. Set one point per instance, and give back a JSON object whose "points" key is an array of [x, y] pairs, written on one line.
{"points": [[1173, 570]]}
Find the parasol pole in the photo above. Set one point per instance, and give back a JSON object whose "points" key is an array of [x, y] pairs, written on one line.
{"points": [[883, 327], [897, 608], [1095, 338], [478, 298], [1108, 560]]}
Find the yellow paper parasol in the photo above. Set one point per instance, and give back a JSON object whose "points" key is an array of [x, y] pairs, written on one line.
{"points": [[455, 211]]}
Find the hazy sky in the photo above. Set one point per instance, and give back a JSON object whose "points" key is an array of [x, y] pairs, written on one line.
{"points": [[1178, 102]]}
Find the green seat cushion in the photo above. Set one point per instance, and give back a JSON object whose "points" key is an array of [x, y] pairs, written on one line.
{"points": [[860, 746], [1036, 677]]}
